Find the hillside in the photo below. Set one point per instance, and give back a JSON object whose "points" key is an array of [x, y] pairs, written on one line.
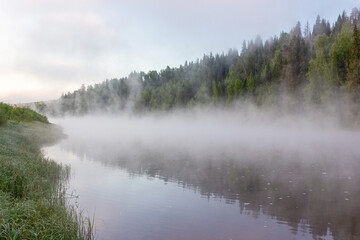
{"points": [[307, 66], [19, 114]]}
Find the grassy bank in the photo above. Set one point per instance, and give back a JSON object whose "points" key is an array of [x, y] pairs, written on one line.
{"points": [[19, 114], [32, 196]]}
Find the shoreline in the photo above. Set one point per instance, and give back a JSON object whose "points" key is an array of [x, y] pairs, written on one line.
{"points": [[32, 191]]}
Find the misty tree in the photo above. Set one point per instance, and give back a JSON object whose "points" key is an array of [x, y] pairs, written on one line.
{"points": [[202, 96], [341, 20], [353, 75], [355, 16], [307, 32], [340, 53], [243, 49], [296, 31], [216, 92], [276, 65], [296, 63], [318, 65], [250, 84], [321, 27], [319, 77]]}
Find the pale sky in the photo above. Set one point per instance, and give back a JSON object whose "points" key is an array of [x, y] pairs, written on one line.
{"points": [[50, 47]]}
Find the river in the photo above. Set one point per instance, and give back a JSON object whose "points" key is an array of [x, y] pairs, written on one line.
{"points": [[155, 189]]}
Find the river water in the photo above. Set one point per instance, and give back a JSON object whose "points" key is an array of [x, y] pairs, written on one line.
{"points": [[271, 184]]}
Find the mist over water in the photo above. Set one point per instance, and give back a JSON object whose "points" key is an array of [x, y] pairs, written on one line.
{"points": [[213, 133], [300, 169]]}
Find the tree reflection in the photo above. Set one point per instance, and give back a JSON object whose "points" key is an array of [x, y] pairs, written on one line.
{"points": [[318, 192]]}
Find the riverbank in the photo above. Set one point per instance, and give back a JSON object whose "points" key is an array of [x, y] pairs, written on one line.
{"points": [[32, 194]]}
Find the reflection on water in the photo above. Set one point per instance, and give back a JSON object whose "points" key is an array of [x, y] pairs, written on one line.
{"points": [[214, 175], [267, 195]]}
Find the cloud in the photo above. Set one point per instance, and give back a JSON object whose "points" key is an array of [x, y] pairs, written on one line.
{"points": [[51, 46], [77, 35]]}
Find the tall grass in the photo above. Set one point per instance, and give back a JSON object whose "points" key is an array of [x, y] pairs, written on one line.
{"points": [[32, 194]]}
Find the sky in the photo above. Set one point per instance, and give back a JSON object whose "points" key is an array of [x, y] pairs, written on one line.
{"points": [[50, 47]]}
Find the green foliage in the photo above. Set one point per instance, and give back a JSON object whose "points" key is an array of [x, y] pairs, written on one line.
{"points": [[296, 64], [277, 65], [320, 85], [32, 199], [234, 86], [167, 89], [216, 92], [3, 118], [340, 53], [19, 114], [202, 95], [250, 84], [352, 85]]}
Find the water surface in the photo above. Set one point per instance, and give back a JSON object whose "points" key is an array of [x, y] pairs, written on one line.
{"points": [[222, 185]]}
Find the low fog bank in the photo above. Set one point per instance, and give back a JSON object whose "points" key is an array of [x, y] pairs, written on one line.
{"points": [[212, 133], [297, 168]]}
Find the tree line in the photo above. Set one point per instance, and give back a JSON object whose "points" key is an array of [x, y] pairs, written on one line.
{"points": [[314, 66]]}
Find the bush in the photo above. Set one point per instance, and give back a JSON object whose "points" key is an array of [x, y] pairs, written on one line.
{"points": [[19, 114], [3, 118]]}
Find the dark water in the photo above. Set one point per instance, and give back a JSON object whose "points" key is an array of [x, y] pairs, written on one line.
{"points": [[267, 194]]}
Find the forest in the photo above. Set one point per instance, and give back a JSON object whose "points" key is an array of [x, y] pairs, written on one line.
{"points": [[318, 66]]}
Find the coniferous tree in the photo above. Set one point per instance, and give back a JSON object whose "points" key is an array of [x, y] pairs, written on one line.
{"points": [[353, 76], [340, 53], [318, 64]]}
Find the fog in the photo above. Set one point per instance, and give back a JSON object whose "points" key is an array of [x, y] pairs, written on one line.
{"points": [[300, 169], [212, 133]]}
